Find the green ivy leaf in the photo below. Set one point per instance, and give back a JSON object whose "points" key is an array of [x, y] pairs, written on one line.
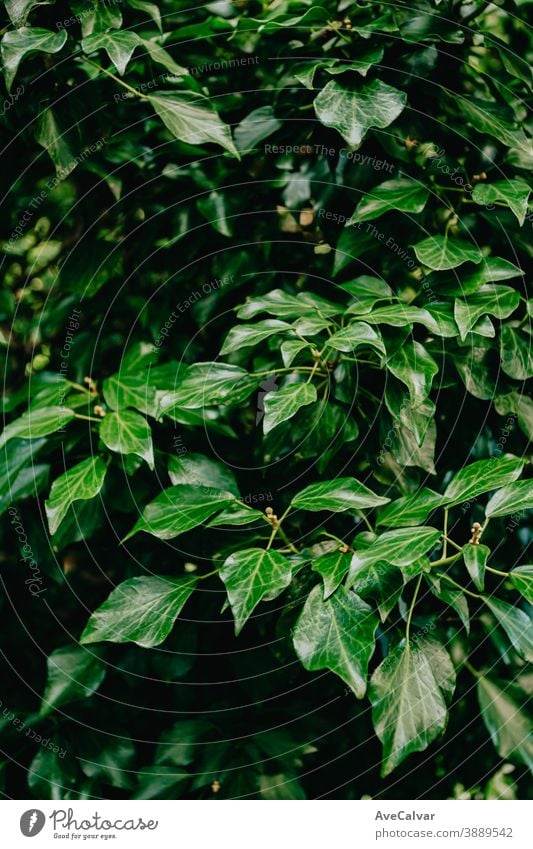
{"points": [[18, 10], [490, 119], [191, 119], [481, 477], [416, 419], [366, 60], [290, 349], [237, 514], [400, 315], [516, 353], [18, 43], [35, 423], [178, 744], [283, 404], [126, 389], [507, 721], [251, 575], [79, 483], [408, 452], [118, 44], [162, 57], [512, 193], [443, 315], [381, 582], [247, 335], [151, 10], [489, 270], [179, 509], [516, 624], [282, 305], [475, 557], [208, 384], [127, 432], [410, 509], [337, 495], [337, 634], [415, 368], [366, 291], [52, 137], [499, 301], [522, 579], [355, 334], [27, 483], [73, 673], [442, 253], [354, 112], [428, 27], [400, 547], [452, 598], [512, 498], [410, 692], [519, 404], [199, 470], [256, 126], [97, 18], [51, 775], [332, 567], [402, 195], [140, 610]]}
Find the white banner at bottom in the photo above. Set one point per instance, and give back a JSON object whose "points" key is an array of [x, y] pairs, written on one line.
{"points": [[269, 825]]}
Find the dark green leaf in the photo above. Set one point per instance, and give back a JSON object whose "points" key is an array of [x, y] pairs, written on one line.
{"points": [[499, 301], [207, 384], [411, 509], [512, 193], [441, 253], [410, 692], [140, 610], [283, 404], [399, 547], [415, 368], [251, 575], [403, 195], [354, 112], [332, 566], [128, 433], [73, 673], [356, 334], [125, 389], [516, 352], [192, 119], [483, 476], [179, 509], [247, 335], [337, 634], [18, 43], [35, 423], [79, 483], [198, 470], [516, 624], [512, 498], [337, 495], [475, 557], [522, 580], [506, 719], [382, 582]]}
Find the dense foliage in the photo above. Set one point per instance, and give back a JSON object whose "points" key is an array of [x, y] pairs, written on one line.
{"points": [[266, 337]]}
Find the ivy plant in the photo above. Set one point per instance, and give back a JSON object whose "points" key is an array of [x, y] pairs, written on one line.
{"points": [[267, 336]]}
